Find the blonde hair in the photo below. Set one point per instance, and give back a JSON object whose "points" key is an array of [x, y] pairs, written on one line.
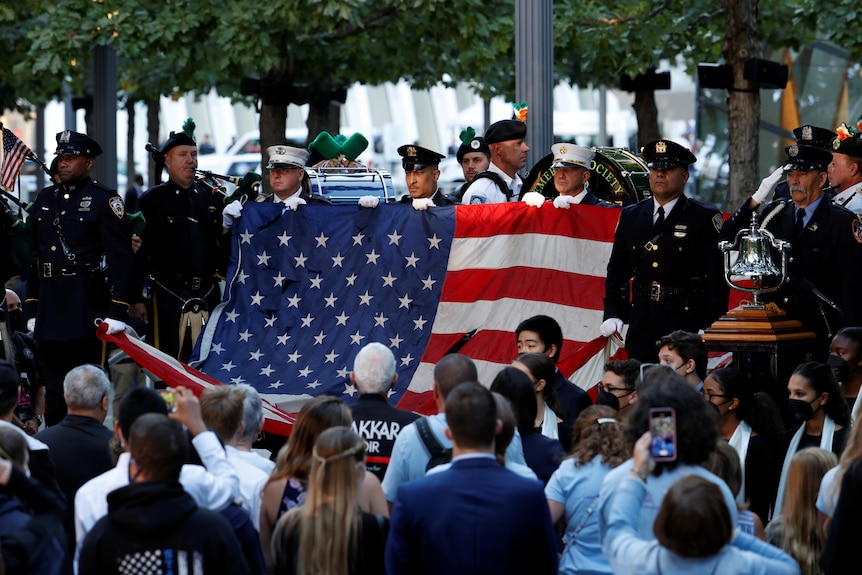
{"points": [[798, 535], [329, 521]]}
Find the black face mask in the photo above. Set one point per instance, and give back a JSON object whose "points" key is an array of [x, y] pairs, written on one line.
{"points": [[15, 320], [840, 368], [800, 410], [609, 399]]}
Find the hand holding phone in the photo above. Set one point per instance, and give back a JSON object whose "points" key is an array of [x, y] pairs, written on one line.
{"points": [[662, 428]]}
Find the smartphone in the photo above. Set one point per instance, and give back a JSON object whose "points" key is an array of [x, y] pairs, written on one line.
{"points": [[170, 399], [662, 428]]}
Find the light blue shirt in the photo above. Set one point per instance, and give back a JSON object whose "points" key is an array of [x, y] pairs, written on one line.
{"points": [[631, 553], [578, 489], [656, 487], [409, 456], [809, 211]]}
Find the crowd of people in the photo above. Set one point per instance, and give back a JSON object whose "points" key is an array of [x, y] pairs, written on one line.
{"points": [[675, 469]]}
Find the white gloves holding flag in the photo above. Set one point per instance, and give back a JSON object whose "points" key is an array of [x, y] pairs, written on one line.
{"points": [[611, 326], [534, 199], [231, 212], [564, 202], [423, 203], [369, 201], [294, 201], [31, 324], [767, 184], [114, 325]]}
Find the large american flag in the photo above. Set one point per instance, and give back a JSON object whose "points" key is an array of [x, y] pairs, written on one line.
{"points": [[307, 289], [12, 158]]}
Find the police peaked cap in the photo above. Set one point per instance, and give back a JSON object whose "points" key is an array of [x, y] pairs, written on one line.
{"points": [[665, 154], [71, 143], [805, 158], [809, 135], [505, 130], [414, 158]]}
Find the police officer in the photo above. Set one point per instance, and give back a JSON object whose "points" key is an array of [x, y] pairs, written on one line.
{"points": [[806, 135], [845, 170], [501, 182], [81, 266], [825, 262], [668, 246], [287, 178], [421, 173], [571, 165], [184, 248]]}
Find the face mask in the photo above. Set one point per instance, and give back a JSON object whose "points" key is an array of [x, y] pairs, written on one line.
{"points": [[15, 319], [840, 368], [800, 410], [609, 399]]}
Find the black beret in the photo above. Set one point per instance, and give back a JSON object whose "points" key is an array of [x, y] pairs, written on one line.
{"points": [[415, 158], [809, 135], [477, 144], [178, 139], [805, 158], [71, 143], [505, 130], [665, 154]]}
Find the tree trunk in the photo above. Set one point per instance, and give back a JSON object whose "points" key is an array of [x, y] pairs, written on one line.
{"points": [[743, 102], [155, 171], [323, 115], [130, 142], [647, 116], [273, 120]]}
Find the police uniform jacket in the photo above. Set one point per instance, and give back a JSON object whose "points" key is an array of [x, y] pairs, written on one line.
{"points": [[827, 255], [65, 292], [591, 200], [310, 199], [676, 269], [439, 199]]}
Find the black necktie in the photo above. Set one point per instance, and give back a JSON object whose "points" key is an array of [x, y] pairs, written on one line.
{"points": [[800, 215], [660, 219]]}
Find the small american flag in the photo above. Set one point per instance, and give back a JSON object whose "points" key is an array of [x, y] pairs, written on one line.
{"points": [[14, 154]]}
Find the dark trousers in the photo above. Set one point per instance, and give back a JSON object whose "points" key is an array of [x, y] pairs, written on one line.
{"points": [[58, 358]]}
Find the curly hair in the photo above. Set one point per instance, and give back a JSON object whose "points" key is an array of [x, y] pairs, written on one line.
{"points": [[696, 421], [598, 431]]}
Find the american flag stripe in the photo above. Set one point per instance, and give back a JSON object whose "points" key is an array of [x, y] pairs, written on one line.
{"points": [[13, 156]]}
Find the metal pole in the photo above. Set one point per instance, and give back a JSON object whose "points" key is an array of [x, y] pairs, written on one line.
{"points": [[104, 116], [534, 72]]}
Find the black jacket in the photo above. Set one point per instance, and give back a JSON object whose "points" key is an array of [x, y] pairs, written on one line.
{"points": [[159, 523], [683, 262]]}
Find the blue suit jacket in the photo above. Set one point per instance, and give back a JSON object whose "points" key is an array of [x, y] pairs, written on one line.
{"points": [[475, 518]]}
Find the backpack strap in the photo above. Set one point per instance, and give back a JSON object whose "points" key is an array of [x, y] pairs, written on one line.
{"points": [[493, 176], [432, 444]]}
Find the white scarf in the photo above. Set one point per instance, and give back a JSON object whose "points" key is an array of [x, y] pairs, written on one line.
{"points": [[825, 443], [739, 441], [549, 424]]}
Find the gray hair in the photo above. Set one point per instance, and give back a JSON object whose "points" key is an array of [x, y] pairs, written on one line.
{"points": [[85, 386], [252, 413], [374, 368]]}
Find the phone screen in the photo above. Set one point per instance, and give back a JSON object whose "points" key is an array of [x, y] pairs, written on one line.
{"points": [[662, 427]]}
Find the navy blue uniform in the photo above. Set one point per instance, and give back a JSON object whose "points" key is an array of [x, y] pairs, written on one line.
{"points": [[183, 250], [438, 198], [677, 279], [827, 255], [73, 226]]}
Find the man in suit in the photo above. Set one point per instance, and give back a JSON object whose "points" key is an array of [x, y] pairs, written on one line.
{"points": [[825, 264], [477, 517], [667, 244], [78, 445]]}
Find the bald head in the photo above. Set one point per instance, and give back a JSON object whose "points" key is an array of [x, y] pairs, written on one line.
{"points": [[452, 370]]}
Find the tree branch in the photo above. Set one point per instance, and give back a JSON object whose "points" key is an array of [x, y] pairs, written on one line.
{"points": [[349, 29]]}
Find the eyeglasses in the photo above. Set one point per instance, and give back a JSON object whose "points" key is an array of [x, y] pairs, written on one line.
{"points": [[611, 389], [708, 395]]}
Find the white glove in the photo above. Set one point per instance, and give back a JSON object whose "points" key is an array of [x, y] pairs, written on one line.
{"points": [[31, 324], [564, 202], [423, 203], [534, 199], [767, 184], [231, 212], [294, 201], [114, 325], [611, 326], [369, 201]]}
